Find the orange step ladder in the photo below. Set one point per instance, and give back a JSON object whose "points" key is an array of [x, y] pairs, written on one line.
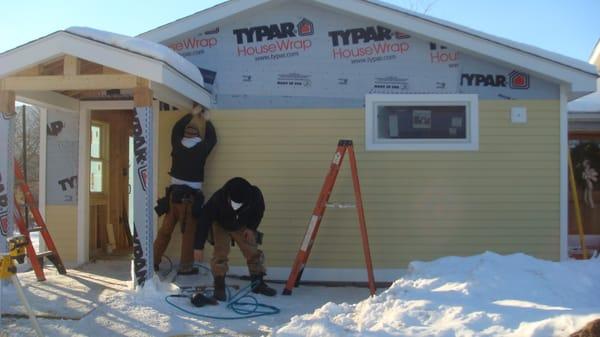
{"points": [[36, 259], [322, 203]]}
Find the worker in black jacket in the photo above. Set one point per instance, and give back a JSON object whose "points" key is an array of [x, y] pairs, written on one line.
{"points": [[184, 195], [234, 213]]}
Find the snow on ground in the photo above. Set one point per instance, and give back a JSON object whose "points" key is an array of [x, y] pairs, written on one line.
{"points": [[483, 295]]}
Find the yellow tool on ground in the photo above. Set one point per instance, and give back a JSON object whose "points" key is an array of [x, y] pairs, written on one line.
{"points": [[8, 271]]}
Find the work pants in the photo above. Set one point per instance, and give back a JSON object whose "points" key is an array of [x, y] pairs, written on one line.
{"points": [[178, 212], [254, 256]]}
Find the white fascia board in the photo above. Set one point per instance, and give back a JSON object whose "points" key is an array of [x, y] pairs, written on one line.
{"points": [[48, 99], [23, 57], [185, 87], [579, 80], [171, 97], [200, 19]]}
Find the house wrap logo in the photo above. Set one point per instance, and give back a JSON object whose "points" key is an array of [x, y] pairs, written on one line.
{"points": [[285, 39], [273, 31], [140, 151], [382, 40], [514, 80], [3, 208]]}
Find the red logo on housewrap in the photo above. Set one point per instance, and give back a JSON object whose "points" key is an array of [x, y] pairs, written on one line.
{"points": [[518, 80], [3, 208], [143, 176], [306, 28]]}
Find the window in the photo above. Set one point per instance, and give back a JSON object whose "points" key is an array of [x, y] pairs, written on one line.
{"points": [[422, 122], [98, 157]]}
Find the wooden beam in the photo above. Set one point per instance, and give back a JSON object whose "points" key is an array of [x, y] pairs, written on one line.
{"points": [[63, 83], [142, 94], [7, 102], [49, 99], [33, 71], [109, 70], [71, 65]]}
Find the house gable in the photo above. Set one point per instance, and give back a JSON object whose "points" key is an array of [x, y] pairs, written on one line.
{"points": [[301, 55], [576, 75]]}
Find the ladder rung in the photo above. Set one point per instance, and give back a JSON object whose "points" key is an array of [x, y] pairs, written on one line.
{"points": [[340, 205], [44, 254], [36, 229]]}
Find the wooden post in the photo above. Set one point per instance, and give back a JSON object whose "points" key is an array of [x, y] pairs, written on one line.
{"points": [[7, 114], [143, 234], [71, 66]]}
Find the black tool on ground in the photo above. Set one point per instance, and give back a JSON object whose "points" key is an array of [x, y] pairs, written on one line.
{"points": [[199, 300]]}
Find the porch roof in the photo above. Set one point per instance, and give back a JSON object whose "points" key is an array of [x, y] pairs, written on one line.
{"points": [[87, 64]]}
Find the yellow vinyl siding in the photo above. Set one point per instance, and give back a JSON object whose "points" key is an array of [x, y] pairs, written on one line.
{"points": [[419, 205], [62, 225]]}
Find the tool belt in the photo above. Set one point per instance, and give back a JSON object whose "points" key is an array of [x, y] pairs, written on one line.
{"points": [[178, 194], [181, 194]]}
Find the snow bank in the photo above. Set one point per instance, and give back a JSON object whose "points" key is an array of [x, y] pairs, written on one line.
{"points": [[144, 47], [484, 295]]}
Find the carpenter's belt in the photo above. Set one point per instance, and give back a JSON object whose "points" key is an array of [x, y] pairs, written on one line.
{"points": [[182, 194]]}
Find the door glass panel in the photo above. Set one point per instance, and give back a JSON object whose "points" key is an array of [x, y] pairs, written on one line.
{"points": [[96, 176], [96, 141]]}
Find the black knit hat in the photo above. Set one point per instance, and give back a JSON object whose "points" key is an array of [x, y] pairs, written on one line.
{"points": [[239, 189]]}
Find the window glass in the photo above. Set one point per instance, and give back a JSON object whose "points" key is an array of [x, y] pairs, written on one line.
{"points": [[96, 176], [96, 141], [421, 122]]}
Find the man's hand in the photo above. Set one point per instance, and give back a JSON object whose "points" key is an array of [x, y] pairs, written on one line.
{"points": [[249, 236], [197, 110], [205, 114], [198, 255]]}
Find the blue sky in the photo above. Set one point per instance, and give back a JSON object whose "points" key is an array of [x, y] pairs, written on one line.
{"points": [[568, 27]]}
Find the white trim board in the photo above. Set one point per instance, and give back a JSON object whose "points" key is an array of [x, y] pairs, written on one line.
{"points": [[470, 101], [564, 174]]}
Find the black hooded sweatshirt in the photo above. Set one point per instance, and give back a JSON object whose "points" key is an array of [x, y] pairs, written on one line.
{"points": [[188, 163], [218, 210]]}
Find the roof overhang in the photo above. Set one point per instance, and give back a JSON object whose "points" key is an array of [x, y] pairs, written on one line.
{"points": [[578, 77], [167, 83]]}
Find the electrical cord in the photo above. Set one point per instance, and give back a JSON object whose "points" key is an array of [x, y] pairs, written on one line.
{"points": [[241, 303]]}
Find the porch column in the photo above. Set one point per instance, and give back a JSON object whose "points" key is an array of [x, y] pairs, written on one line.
{"points": [[7, 114], [143, 129]]}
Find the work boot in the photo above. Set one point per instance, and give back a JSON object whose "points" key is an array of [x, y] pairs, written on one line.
{"points": [[260, 287], [220, 294]]}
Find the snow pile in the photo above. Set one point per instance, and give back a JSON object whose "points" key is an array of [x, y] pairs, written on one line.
{"points": [[144, 47], [484, 295]]}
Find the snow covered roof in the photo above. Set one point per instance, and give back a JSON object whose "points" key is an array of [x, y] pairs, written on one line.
{"points": [[579, 76], [173, 79], [144, 47]]}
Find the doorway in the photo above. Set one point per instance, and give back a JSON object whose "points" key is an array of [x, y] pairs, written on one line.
{"points": [[584, 147], [110, 189]]}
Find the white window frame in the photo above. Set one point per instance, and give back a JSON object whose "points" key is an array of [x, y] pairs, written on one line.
{"points": [[471, 103]]}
